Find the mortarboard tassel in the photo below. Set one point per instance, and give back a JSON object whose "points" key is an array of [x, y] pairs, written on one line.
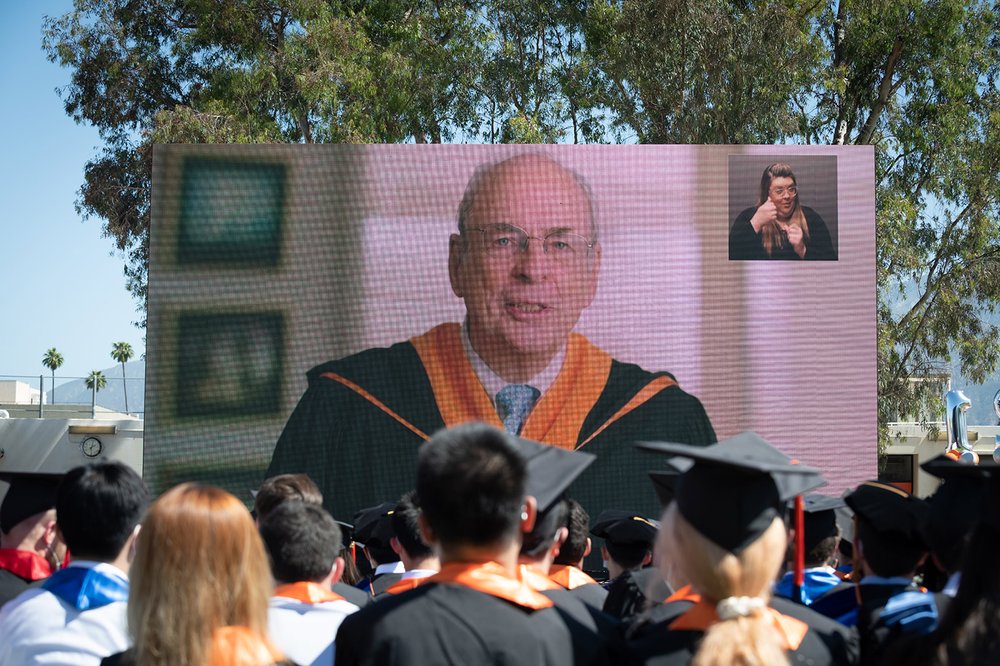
{"points": [[800, 549]]}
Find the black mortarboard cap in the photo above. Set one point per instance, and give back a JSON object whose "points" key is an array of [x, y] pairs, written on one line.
{"points": [[665, 480], [27, 495], [346, 533], [625, 528], [890, 510], [373, 526], [977, 486], [551, 470], [820, 518], [736, 488]]}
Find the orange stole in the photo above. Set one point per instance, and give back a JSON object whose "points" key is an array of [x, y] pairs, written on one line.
{"points": [[559, 414], [569, 577], [703, 615], [556, 419], [307, 592], [536, 580], [492, 579], [405, 585]]}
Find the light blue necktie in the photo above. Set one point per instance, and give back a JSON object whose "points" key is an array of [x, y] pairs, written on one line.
{"points": [[515, 402]]}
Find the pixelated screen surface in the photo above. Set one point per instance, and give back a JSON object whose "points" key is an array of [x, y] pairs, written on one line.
{"points": [[268, 261]]}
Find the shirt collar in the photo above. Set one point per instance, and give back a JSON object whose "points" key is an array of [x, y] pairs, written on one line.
{"points": [[389, 567], [493, 382]]}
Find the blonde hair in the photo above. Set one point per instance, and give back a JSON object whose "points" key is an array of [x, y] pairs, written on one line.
{"points": [[718, 574], [771, 235], [200, 568]]}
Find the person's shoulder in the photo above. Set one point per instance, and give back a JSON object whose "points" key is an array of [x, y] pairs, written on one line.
{"points": [[31, 606], [365, 360], [827, 640]]}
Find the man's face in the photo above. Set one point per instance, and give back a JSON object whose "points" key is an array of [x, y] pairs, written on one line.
{"points": [[524, 302]]}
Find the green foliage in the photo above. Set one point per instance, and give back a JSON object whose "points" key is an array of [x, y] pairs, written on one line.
{"points": [[917, 80], [122, 352], [96, 381], [52, 360]]}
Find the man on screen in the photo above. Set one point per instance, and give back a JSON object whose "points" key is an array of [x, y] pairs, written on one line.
{"points": [[525, 261]]}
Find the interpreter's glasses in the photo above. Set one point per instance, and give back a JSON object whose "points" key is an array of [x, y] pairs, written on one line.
{"points": [[507, 240], [780, 191]]}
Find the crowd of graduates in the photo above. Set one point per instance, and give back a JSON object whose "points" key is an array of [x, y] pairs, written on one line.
{"points": [[486, 562]]}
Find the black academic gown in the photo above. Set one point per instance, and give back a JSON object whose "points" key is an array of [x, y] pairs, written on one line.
{"points": [[452, 624], [651, 642], [629, 593], [357, 428], [11, 585], [359, 598], [879, 629]]}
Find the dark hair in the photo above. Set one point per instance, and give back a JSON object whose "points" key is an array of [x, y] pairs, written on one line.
{"points": [[543, 534], [967, 633], [98, 507], [406, 527], [822, 553], [578, 524], [887, 554], [470, 485], [302, 541], [627, 555], [284, 488]]}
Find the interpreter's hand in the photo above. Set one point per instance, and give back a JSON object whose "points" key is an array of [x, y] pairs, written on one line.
{"points": [[766, 213], [795, 239]]}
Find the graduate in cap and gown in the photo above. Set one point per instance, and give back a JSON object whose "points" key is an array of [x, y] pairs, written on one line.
{"points": [[471, 489], [31, 547], [726, 533], [373, 530], [821, 544], [628, 553], [567, 567], [889, 550], [967, 630]]}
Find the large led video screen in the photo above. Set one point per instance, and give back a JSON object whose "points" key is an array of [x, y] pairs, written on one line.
{"points": [[325, 309]]}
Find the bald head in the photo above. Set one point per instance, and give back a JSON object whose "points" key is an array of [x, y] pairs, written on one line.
{"points": [[537, 172]]}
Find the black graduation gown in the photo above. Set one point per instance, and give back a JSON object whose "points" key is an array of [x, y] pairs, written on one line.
{"points": [[11, 585], [357, 428], [627, 594], [440, 623], [651, 642]]}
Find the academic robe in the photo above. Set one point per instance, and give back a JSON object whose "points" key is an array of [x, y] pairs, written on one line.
{"points": [[669, 634], [18, 570], [633, 592], [465, 615], [579, 584], [357, 428]]}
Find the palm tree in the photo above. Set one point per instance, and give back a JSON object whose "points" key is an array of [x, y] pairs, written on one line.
{"points": [[52, 360], [95, 381], [122, 352]]}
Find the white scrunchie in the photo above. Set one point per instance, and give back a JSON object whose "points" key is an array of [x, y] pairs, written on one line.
{"points": [[733, 607]]}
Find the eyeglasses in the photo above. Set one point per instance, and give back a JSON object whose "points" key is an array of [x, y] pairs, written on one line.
{"points": [[507, 240], [780, 191]]}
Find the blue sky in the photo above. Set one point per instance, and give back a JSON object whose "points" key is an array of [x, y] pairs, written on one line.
{"points": [[62, 285]]}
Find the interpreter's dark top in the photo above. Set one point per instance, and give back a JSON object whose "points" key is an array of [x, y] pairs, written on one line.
{"points": [[745, 244]]}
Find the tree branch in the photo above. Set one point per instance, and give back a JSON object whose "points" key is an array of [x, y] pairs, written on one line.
{"points": [[886, 88]]}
